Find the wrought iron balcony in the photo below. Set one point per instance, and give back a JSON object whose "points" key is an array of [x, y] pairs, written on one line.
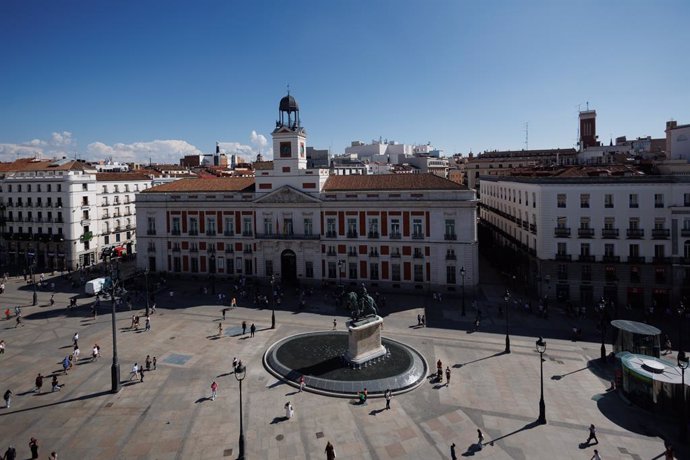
{"points": [[564, 257], [352, 234], [395, 236], [450, 237], [247, 233], [562, 232], [635, 233], [661, 233], [685, 232], [585, 258], [193, 232], [636, 260], [661, 260], [609, 233], [373, 234], [418, 236], [585, 233], [331, 234], [611, 258]]}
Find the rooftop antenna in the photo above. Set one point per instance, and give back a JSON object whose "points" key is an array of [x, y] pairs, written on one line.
{"points": [[527, 135], [288, 88]]}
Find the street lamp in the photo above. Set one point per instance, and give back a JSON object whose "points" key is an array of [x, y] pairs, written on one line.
{"points": [[31, 255], [341, 262], [273, 304], [683, 364], [541, 348], [240, 374], [681, 317], [507, 299], [462, 275], [115, 367], [146, 281], [602, 326]]}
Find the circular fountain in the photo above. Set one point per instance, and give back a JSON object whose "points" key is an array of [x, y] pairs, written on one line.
{"points": [[344, 363]]}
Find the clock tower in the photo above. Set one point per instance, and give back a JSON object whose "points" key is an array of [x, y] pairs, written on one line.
{"points": [[289, 139]]}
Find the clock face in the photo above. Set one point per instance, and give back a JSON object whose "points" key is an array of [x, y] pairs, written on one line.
{"points": [[285, 149]]}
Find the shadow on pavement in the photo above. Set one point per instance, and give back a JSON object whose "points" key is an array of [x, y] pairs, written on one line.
{"points": [[66, 401]]}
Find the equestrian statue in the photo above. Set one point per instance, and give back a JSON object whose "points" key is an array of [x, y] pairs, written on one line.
{"points": [[360, 305]]}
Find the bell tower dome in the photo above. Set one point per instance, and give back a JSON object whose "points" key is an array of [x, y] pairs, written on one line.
{"points": [[289, 138]]}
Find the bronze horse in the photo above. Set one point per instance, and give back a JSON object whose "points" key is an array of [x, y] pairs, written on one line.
{"points": [[361, 305]]}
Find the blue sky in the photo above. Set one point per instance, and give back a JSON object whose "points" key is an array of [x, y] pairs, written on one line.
{"points": [[133, 79]]}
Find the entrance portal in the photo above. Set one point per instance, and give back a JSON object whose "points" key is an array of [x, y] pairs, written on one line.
{"points": [[288, 266]]}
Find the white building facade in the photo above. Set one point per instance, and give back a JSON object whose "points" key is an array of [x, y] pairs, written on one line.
{"points": [[626, 239], [392, 231]]}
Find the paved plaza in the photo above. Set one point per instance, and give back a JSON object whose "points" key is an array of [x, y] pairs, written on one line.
{"points": [[170, 414]]}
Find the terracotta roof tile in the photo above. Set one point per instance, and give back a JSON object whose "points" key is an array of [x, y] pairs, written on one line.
{"points": [[31, 164], [221, 184], [390, 182]]}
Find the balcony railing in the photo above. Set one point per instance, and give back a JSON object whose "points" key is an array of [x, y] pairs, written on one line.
{"points": [[562, 232], [210, 233], [331, 254], [352, 253], [248, 250], [585, 258], [286, 236], [194, 249], [533, 228], [193, 232], [373, 254], [685, 232], [564, 257], [395, 255], [331, 234], [228, 233], [636, 260], [418, 236], [609, 233], [635, 233], [418, 255], [175, 232], [395, 236], [585, 232], [450, 237], [373, 235], [661, 233], [352, 234], [151, 249], [150, 232], [229, 249], [451, 257], [247, 233], [611, 259], [661, 260]]}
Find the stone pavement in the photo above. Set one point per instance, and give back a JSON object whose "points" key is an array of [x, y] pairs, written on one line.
{"points": [[170, 415]]}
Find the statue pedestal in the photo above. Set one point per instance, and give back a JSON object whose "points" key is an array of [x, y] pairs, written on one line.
{"points": [[365, 340]]}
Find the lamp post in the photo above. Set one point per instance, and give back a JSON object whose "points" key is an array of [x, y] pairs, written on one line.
{"points": [[240, 374], [602, 326], [273, 305], [31, 257], [115, 367], [507, 300], [681, 317], [683, 364], [146, 281], [541, 348], [341, 262], [462, 275]]}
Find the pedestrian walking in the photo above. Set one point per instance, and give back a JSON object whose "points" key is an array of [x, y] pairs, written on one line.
{"points": [[244, 327], [224, 310], [214, 390], [141, 373], [148, 362], [220, 329], [33, 446], [55, 384], [19, 321], [233, 303], [388, 395], [154, 363], [10, 454], [7, 314], [301, 383], [53, 456], [75, 339], [76, 353], [592, 434], [335, 323], [330, 451], [596, 455], [252, 330], [95, 352], [289, 410], [52, 300], [447, 375], [480, 438], [66, 363], [423, 321], [453, 456], [8, 398], [135, 371], [148, 324], [2, 347], [39, 383]]}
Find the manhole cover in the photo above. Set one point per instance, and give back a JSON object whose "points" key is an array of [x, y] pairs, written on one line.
{"points": [[280, 437], [227, 452], [179, 360], [319, 435]]}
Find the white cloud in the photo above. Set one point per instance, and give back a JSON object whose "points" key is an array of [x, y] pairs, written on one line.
{"points": [[158, 151], [258, 139], [60, 144], [248, 152]]}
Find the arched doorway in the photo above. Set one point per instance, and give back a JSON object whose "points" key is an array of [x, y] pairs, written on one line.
{"points": [[288, 266]]}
